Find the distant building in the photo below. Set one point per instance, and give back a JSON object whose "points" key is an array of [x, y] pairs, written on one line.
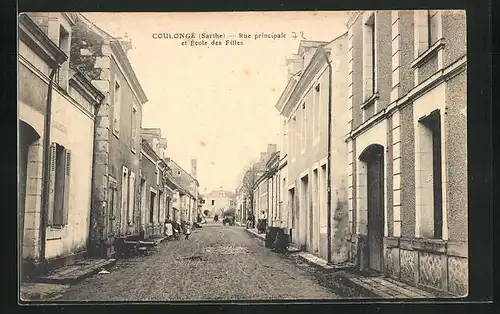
{"points": [[185, 201], [219, 201]]}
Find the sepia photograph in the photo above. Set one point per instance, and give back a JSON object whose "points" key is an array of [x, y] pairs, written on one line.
{"points": [[242, 156]]}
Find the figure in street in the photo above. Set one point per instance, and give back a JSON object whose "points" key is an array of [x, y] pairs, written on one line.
{"points": [[187, 230]]}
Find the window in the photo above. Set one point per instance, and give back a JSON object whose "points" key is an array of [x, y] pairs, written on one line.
{"points": [[124, 195], [157, 176], [60, 171], [323, 211], [317, 111], [427, 30], [116, 107], [111, 208], [160, 205], [369, 58], [432, 26], [304, 131], [213, 202], [285, 137], [143, 206], [429, 183], [134, 129], [152, 201]]}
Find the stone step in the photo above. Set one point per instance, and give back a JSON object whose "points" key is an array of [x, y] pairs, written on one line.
{"points": [[387, 288]]}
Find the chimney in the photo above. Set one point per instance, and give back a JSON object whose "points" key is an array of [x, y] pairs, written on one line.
{"points": [[294, 64], [125, 42], [193, 167], [271, 148], [263, 156]]}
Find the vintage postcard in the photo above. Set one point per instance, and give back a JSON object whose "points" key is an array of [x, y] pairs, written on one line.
{"points": [[236, 156]]}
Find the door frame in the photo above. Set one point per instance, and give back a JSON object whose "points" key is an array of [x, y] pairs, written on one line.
{"points": [[369, 155]]}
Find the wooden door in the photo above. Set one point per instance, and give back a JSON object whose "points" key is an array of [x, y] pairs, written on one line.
{"points": [[375, 179]]}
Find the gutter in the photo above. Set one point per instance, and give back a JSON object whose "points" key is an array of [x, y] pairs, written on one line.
{"points": [[329, 161], [46, 166]]}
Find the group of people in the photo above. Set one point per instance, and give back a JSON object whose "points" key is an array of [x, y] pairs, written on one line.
{"points": [[172, 229], [261, 223]]}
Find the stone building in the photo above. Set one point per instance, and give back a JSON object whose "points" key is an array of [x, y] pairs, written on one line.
{"points": [[152, 192], [155, 195], [261, 184], [407, 145], [219, 201], [53, 225], [115, 201], [317, 83], [185, 204]]}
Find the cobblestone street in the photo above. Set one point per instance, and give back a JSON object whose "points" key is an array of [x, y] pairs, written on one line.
{"points": [[216, 263]]}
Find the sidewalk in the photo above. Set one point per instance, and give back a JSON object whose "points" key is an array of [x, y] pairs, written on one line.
{"points": [[41, 291], [376, 286], [76, 272], [373, 286], [259, 236], [262, 237]]}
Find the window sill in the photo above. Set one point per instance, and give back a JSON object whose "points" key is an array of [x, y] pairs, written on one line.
{"points": [[55, 228], [133, 150], [116, 134], [429, 245], [370, 101], [426, 55]]}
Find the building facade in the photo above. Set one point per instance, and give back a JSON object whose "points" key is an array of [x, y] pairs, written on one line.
{"points": [[155, 195], [53, 226], [115, 194], [152, 192], [219, 201], [407, 145], [186, 200], [317, 83]]}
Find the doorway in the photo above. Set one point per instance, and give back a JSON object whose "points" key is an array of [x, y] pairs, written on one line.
{"points": [[373, 156], [28, 140], [304, 208], [291, 203]]}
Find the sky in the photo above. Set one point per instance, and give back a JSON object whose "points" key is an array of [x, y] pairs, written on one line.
{"points": [[216, 104]]}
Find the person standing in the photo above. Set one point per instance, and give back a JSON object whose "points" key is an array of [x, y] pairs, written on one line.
{"points": [[187, 230]]}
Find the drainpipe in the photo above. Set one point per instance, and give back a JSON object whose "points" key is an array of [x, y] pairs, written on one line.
{"points": [[46, 166], [90, 244], [329, 179]]}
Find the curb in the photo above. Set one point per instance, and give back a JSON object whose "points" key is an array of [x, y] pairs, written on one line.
{"points": [[31, 296], [362, 290], [261, 239], [75, 279]]}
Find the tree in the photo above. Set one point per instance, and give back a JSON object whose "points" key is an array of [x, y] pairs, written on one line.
{"points": [[251, 176]]}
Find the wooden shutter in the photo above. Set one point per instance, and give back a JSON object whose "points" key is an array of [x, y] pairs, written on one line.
{"points": [[130, 216], [67, 177], [52, 184]]}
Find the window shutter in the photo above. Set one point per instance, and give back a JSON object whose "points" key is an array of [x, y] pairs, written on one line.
{"points": [[67, 177], [131, 198], [52, 184]]}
